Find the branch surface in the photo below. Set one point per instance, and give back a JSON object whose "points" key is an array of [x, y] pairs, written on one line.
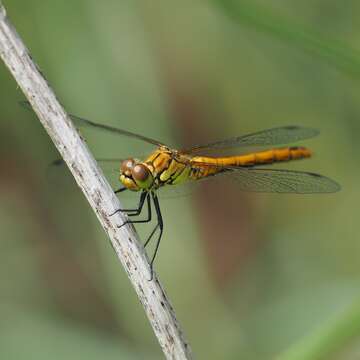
{"points": [[96, 189]]}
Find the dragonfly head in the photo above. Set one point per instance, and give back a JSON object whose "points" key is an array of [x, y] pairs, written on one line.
{"points": [[135, 175]]}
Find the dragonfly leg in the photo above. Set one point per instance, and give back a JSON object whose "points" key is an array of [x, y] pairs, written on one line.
{"points": [[147, 241], [151, 235], [136, 211], [149, 216], [159, 225], [120, 190]]}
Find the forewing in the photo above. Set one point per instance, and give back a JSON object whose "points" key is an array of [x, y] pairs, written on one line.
{"points": [[82, 122], [269, 137]]}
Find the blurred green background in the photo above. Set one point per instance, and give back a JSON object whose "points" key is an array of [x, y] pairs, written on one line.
{"points": [[251, 276]]}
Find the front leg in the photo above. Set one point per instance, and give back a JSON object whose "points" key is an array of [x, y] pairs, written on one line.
{"points": [[134, 212], [148, 219], [120, 190]]}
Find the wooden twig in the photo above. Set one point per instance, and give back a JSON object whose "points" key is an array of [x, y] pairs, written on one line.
{"points": [[96, 189]]}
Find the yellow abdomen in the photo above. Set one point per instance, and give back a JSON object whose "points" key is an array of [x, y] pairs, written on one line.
{"points": [[202, 164]]}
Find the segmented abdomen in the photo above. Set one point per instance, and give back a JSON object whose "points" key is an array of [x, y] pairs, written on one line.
{"points": [[201, 165]]}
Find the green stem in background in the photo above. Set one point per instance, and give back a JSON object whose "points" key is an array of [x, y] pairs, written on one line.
{"points": [[328, 339], [335, 52]]}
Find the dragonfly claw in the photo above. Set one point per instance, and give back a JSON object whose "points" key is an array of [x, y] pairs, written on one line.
{"points": [[115, 212], [120, 226], [151, 274]]}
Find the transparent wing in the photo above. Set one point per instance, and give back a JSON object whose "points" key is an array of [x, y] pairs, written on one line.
{"points": [[247, 179], [280, 181], [270, 137], [81, 122]]}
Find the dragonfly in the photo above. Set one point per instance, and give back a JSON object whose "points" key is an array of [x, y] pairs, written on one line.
{"points": [[169, 168]]}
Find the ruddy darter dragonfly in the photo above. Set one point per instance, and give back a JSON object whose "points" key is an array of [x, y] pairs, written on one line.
{"points": [[168, 167]]}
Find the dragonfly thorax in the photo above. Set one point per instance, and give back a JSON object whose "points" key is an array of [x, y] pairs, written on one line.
{"points": [[135, 175]]}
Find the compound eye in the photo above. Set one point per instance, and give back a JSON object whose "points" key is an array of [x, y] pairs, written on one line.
{"points": [[142, 176], [140, 173], [127, 166]]}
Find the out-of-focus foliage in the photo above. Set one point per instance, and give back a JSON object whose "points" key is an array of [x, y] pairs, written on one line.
{"points": [[250, 276]]}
